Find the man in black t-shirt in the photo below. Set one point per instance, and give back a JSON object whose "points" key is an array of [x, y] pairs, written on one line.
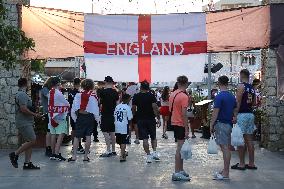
{"points": [[145, 108], [108, 100]]}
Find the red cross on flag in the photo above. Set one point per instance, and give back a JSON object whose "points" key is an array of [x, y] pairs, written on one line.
{"points": [[156, 48]]}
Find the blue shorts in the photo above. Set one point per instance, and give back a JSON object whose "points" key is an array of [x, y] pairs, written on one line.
{"points": [[246, 123], [223, 133]]}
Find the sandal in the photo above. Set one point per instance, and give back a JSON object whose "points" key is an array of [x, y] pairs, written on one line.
{"points": [[71, 160], [220, 177], [86, 160], [237, 167], [251, 167]]}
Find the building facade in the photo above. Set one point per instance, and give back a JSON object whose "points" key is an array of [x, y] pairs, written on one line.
{"points": [[230, 4], [234, 62]]}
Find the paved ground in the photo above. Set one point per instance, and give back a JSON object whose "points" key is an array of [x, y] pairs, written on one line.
{"points": [[135, 173]]}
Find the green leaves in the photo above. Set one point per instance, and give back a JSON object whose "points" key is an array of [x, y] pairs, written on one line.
{"points": [[13, 41]]}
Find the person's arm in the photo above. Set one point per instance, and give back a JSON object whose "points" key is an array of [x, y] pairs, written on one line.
{"points": [[235, 114], [96, 110], [22, 102], [190, 101], [185, 121], [240, 92], [155, 106], [157, 113], [214, 119], [134, 105], [156, 110], [216, 110], [25, 110], [129, 114], [117, 97], [134, 109], [184, 105]]}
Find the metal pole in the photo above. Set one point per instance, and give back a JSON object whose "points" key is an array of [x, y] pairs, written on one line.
{"points": [[231, 67], [209, 76], [92, 6]]}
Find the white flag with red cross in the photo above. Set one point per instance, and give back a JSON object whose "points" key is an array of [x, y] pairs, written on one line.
{"points": [[156, 48]]}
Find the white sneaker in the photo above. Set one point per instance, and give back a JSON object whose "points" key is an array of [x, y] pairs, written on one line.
{"points": [[149, 159], [179, 177], [185, 174], [155, 156]]}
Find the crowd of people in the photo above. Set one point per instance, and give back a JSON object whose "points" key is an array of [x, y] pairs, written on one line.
{"points": [[119, 112]]}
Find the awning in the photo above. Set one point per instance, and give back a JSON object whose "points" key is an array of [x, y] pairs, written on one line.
{"points": [[60, 34]]}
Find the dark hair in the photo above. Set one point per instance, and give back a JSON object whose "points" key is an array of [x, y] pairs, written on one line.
{"points": [[245, 72], [125, 97], [223, 80], [87, 84], [22, 82], [55, 81], [175, 87], [109, 79], [166, 93], [77, 81], [255, 82], [182, 80], [123, 84], [145, 85]]}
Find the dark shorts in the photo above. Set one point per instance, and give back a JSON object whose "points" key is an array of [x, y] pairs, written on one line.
{"points": [[146, 128], [84, 125], [107, 123], [179, 132], [46, 121], [121, 138]]}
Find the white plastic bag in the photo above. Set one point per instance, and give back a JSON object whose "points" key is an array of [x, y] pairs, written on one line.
{"points": [[237, 138], [186, 151], [212, 146]]}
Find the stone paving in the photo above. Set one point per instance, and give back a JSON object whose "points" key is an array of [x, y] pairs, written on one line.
{"points": [[135, 173]]}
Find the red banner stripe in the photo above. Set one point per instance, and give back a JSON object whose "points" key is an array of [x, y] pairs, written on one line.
{"points": [[144, 61], [95, 47], [195, 47]]}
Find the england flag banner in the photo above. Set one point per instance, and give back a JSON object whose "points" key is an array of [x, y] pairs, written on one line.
{"points": [[156, 48]]}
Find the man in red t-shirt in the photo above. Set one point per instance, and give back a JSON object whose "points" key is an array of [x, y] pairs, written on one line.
{"points": [[178, 107]]}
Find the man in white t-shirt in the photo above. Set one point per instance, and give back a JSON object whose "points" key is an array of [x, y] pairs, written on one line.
{"points": [[133, 89], [123, 116]]}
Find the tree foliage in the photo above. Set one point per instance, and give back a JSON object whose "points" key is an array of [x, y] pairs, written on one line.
{"points": [[13, 41], [37, 66]]}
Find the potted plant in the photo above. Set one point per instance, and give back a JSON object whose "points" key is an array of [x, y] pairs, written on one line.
{"points": [[196, 121]]}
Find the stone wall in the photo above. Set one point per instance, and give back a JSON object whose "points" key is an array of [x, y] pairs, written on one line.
{"points": [[273, 123], [8, 89]]}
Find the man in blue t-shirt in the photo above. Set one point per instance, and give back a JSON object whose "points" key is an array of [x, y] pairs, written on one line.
{"points": [[223, 117]]}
